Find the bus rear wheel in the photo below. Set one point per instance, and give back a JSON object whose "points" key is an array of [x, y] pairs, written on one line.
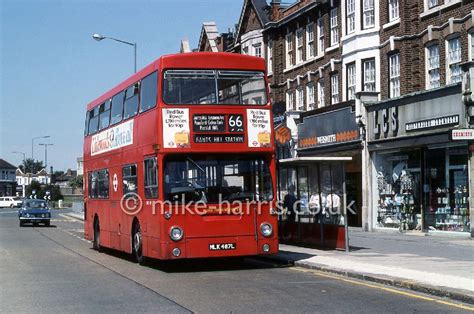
{"points": [[96, 240], [137, 244]]}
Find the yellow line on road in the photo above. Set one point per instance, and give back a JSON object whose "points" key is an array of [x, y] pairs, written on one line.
{"points": [[391, 290]]}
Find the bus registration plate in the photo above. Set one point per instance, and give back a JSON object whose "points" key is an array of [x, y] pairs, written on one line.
{"points": [[222, 246]]}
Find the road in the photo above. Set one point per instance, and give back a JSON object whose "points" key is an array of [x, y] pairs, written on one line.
{"points": [[54, 270]]}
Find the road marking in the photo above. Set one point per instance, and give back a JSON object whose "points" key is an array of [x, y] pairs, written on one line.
{"points": [[391, 290], [70, 218]]}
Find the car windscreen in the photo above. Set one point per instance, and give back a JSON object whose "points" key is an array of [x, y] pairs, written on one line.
{"points": [[187, 87], [218, 178], [34, 204]]}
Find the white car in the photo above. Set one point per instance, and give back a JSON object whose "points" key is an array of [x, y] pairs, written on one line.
{"points": [[10, 201]]}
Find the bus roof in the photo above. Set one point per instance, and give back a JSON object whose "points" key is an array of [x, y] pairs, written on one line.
{"points": [[193, 60]]}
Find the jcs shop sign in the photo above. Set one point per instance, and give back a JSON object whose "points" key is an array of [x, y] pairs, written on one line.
{"points": [[420, 114]]}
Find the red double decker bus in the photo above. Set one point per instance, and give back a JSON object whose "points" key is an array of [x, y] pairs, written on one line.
{"points": [[179, 160]]}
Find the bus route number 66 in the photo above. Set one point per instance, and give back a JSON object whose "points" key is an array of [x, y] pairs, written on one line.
{"points": [[235, 123]]}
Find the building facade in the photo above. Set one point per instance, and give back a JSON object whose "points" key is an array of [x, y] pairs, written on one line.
{"points": [[7, 178], [363, 79]]}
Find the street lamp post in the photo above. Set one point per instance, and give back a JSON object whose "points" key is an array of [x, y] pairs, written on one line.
{"points": [[33, 143], [46, 154], [100, 37]]}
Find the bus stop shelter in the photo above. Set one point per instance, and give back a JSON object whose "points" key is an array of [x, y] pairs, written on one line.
{"points": [[312, 194]]}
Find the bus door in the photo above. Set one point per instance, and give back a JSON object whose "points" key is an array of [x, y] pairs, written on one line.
{"points": [[115, 211]]}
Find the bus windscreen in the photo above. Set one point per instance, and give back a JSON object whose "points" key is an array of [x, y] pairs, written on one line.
{"points": [[217, 179], [187, 87]]}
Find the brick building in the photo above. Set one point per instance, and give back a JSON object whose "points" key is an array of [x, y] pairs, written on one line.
{"points": [[378, 81]]}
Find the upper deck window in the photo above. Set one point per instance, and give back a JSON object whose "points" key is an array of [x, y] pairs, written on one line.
{"points": [[186, 87], [148, 92], [117, 108], [131, 101], [93, 120]]}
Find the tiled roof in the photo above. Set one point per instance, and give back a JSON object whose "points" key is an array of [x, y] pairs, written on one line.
{"points": [[6, 165]]}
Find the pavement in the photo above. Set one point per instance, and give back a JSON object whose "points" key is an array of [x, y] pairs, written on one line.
{"points": [[437, 265], [441, 266]]}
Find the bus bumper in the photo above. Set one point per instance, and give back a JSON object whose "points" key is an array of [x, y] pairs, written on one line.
{"points": [[218, 247]]}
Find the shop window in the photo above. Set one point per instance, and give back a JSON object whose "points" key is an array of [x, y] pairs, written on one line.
{"points": [[446, 189], [398, 185]]}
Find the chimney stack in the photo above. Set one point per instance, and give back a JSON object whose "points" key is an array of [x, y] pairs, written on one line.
{"points": [[275, 9]]}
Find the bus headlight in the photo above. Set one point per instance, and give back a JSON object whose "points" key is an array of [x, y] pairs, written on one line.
{"points": [[176, 233], [266, 229]]}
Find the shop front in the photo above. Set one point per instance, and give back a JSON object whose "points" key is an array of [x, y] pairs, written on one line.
{"points": [[334, 132], [419, 174], [312, 198]]}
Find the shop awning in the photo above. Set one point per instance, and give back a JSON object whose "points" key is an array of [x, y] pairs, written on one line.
{"points": [[306, 160]]}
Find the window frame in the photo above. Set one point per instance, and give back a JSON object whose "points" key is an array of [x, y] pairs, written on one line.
{"points": [[393, 6], [320, 36], [142, 89], [113, 122], [321, 95], [456, 63], [351, 79], [289, 50], [365, 80], [290, 100], [310, 38], [350, 16], [299, 45], [270, 56], [147, 186], [365, 10], [93, 110], [310, 99], [101, 106], [429, 66], [333, 26], [124, 188], [394, 79], [335, 89], [300, 101]]}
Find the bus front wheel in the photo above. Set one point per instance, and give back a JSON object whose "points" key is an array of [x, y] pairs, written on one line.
{"points": [[137, 244]]}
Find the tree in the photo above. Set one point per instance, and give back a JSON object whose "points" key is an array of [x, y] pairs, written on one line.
{"points": [[77, 182], [40, 191], [30, 165]]}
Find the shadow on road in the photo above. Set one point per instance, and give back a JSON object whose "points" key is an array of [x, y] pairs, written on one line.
{"points": [[204, 264]]}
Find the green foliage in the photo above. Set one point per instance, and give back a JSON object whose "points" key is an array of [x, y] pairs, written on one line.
{"points": [[77, 182], [30, 165], [41, 191]]}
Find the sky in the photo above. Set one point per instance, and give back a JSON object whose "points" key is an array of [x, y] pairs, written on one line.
{"points": [[51, 67]]}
